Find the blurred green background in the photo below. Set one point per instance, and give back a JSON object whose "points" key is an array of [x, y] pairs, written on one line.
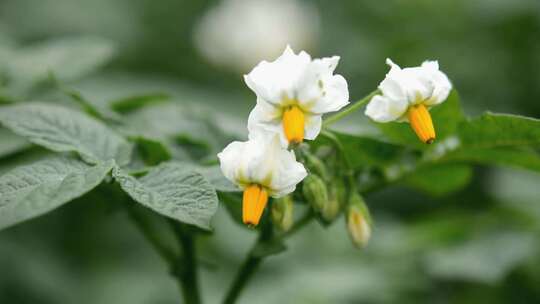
{"points": [[478, 244]]}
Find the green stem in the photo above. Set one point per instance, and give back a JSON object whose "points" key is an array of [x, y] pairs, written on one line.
{"points": [[248, 268], [351, 109], [187, 270], [252, 261], [149, 234], [183, 268]]}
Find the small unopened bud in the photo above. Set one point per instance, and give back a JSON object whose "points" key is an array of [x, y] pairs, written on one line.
{"points": [[282, 213], [330, 210], [336, 199], [316, 165], [358, 221], [315, 192]]}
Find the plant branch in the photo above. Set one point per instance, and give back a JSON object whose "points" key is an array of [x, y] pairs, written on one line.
{"points": [[186, 271], [183, 268], [149, 234], [351, 109], [253, 261], [246, 271]]}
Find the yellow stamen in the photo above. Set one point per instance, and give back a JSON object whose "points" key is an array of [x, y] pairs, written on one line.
{"points": [[421, 123], [255, 199], [293, 124]]}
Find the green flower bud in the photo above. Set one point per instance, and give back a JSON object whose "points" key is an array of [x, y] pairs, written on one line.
{"points": [[315, 192], [336, 199], [282, 213], [330, 210], [316, 165], [358, 221]]}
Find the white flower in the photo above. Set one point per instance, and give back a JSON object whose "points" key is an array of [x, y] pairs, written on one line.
{"points": [[262, 168], [239, 33], [261, 160], [293, 92], [407, 94]]}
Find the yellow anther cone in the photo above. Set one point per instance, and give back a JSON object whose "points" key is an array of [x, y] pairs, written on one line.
{"points": [[421, 123], [293, 124], [254, 202]]}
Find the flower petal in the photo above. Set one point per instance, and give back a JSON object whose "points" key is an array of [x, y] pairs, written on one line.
{"points": [[263, 113], [229, 162], [320, 91], [272, 81], [409, 83], [384, 109], [261, 160], [246, 162], [266, 117], [409, 86], [287, 175], [313, 126], [440, 82]]}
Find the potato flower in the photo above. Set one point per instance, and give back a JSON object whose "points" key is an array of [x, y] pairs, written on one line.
{"points": [[262, 168], [407, 94], [293, 92]]}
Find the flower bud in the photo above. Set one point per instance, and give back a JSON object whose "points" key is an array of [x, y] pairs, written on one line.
{"points": [[316, 165], [282, 213], [358, 221], [336, 199], [315, 192]]}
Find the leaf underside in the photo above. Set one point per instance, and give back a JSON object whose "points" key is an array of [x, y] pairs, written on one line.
{"points": [[64, 130], [32, 190], [175, 191]]}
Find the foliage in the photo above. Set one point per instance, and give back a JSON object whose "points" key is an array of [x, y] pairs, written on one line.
{"points": [[436, 217]]}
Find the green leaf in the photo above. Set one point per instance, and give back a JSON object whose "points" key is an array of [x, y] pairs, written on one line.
{"points": [[100, 112], [215, 177], [152, 151], [519, 158], [189, 132], [67, 58], [174, 191], [11, 143], [233, 205], [211, 173], [32, 190], [65, 130], [132, 103], [446, 118], [500, 139], [361, 151], [440, 179], [499, 130]]}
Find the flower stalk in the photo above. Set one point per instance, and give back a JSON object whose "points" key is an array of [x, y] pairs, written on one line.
{"points": [[349, 110], [252, 261]]}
